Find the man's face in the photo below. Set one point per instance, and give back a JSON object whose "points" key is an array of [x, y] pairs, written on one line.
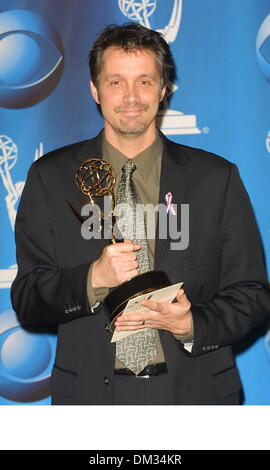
{"points": [[129, 91]]}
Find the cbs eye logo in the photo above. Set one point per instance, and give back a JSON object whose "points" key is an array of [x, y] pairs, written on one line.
{"points": [[26, 361], [262, 48], [31, 58]]}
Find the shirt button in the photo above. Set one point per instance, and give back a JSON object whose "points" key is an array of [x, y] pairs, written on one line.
{"points": [[106, 381]]}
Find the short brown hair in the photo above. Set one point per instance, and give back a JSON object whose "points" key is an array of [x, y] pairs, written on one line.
{"points": [[131, 37]]}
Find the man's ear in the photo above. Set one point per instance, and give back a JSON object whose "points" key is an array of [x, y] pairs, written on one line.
{"points": [[94, 92], [162, 93]]}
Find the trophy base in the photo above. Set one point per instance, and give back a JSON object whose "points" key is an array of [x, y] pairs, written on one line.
{"points": [[116, 301]]}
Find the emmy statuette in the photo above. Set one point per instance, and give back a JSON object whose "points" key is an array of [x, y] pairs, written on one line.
{"points": [[96, 178]]}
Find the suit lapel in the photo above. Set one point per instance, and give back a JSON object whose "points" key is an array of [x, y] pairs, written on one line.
{"points": [[90, 149], [175, 180]]}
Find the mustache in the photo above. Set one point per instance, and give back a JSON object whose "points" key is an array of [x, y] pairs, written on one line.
{"points": [[141, 107]]}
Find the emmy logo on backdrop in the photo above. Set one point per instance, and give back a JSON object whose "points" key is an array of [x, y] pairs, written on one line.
{"points": [[267, 344], [8, 158], [170, 122]]}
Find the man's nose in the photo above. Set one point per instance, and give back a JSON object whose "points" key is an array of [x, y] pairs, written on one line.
{"points": [[131, 93]]}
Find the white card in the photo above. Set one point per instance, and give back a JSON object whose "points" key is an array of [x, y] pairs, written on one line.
{"points": [[166, 294]]}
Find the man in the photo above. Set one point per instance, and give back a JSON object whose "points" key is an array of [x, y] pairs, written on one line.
{"points": [[63, 278]]}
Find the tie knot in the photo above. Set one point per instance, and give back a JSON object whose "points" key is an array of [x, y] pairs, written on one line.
{"points": [[128, 167]]}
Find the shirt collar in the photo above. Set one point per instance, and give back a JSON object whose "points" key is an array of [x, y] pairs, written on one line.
{"points": [[144, 160]]}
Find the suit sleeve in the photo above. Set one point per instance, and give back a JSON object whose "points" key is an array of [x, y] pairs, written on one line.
{"points": [[42, 292], [95, 294], [243, 299]]}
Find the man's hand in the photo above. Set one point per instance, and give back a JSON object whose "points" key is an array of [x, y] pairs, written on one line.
{"points": [[175, 317], [117, 264]]}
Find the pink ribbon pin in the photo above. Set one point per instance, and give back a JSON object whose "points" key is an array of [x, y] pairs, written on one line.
{"points": [[169, 207]]}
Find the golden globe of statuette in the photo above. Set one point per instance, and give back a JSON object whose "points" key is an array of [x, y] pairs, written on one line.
{"points": [[95, 178]]}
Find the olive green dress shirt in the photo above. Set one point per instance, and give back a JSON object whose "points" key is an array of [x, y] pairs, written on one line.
{"points": [[146, 178]]}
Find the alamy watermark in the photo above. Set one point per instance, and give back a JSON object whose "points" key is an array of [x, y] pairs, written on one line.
{"points": [[128, 224]]}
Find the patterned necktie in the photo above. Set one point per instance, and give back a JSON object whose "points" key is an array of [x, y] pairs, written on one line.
{"points": [[137, 350]]}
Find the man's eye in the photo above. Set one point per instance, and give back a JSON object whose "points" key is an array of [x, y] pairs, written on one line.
{"points": [[145, 82], [115, 83]]}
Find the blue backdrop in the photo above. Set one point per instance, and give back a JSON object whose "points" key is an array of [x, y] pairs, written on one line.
{"points": [[220, 102]]}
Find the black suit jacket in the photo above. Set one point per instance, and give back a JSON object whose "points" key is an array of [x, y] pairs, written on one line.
{"points": [[222, 269]]}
